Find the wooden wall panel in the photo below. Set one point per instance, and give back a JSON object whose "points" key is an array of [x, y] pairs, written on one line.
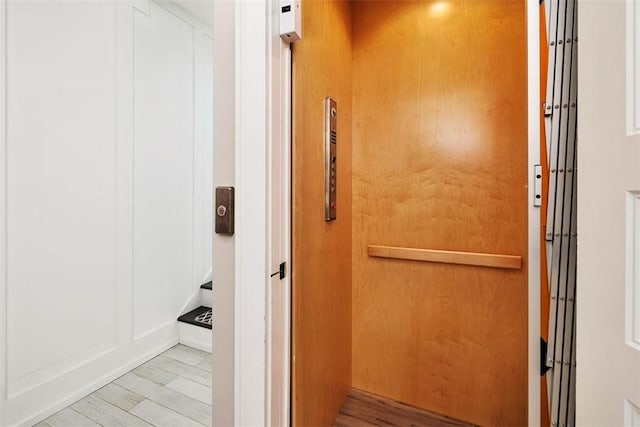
{"points": [[321, 273], [440, 161]]}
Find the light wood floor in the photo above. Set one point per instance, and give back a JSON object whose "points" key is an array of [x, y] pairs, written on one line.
{"points": [[174, 389], [362, 409]]}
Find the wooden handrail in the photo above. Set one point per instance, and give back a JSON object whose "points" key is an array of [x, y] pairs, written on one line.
{"points": [[511, 262]]}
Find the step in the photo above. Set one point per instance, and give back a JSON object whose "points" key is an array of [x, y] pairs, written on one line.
{"points": [[201, 316], [195, 328]]}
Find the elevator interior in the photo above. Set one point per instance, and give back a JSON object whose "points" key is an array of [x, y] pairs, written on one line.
{"points": [[417, 290]]}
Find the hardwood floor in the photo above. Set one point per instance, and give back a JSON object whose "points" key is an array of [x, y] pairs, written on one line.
{"points": [[362, 409], [173, 389]]}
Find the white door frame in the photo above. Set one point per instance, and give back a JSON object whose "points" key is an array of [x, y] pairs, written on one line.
{"points": [[251, 108], [252, 102], [224, 327], [533, 264], [3, 207]]}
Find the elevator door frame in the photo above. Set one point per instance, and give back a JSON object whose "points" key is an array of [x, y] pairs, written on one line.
{"points": [[251, 121], [252, 32], [533, 221], [533, 262]]}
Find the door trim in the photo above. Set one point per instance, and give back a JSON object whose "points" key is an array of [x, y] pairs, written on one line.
{"points": [[224, 299], [247, 92], [3, 211], [533, 111], [278, 384]]}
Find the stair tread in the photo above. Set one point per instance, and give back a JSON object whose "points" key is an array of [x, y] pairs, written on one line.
{"points": [[201, 316], [208, 285]]}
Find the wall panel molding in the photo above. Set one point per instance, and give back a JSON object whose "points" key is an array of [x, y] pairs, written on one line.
{"points": [[632, 295], [633, 67], [143, 6], [3, 211], [36, 379], [124, 171], [631, 414], [164, 157]]}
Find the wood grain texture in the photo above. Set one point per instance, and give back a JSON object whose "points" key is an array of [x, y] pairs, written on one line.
{"points": [[361, 408], [68, 417], [440, 161], [170, 399], [321, 251], [106, 414], [181, 369], [512, 262], [184, 354], [118, 396], [159, 416], [191, 389], [155, 375]]}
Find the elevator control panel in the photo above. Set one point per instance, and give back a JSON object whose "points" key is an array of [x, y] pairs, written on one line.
{"points": [[331, 166]]}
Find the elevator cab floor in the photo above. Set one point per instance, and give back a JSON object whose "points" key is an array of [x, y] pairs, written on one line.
{"points": [[363, 409]]}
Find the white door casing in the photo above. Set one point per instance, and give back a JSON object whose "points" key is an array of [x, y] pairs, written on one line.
{"points": [[608, 270], [279, 291], [251, 321], [533, 132], [224, 259]]}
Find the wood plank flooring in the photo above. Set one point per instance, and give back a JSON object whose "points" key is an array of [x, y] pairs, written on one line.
{"points": [[171, 390], [362, 409], [174, 390]]}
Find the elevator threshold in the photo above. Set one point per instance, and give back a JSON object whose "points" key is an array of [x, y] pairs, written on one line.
{"points": [[363, 409]]}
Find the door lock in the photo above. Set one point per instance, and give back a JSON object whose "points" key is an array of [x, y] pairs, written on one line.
{"points": [[225, 200]]}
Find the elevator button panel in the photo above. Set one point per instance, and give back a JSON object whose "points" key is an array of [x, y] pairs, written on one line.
{"points": [[331, 171]]}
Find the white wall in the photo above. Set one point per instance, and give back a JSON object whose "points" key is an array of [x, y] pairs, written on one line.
{"points": [[608, 361], [60, 190], [107, 168]]}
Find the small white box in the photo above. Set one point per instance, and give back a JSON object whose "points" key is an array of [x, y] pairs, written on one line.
{"points": [[291, 20]]}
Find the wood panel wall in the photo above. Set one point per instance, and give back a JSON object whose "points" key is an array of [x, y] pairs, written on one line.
{"points": [[440, 162], [321, 273]]}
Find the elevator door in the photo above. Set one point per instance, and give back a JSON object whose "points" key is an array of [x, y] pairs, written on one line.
{"points": [[439, 164], [321, 246]]}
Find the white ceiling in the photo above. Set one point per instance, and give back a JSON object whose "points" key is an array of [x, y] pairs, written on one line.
{"points": [[201, 9]]}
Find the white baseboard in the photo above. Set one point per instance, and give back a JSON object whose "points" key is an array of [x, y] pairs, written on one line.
{"points": [[33, 406]]}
